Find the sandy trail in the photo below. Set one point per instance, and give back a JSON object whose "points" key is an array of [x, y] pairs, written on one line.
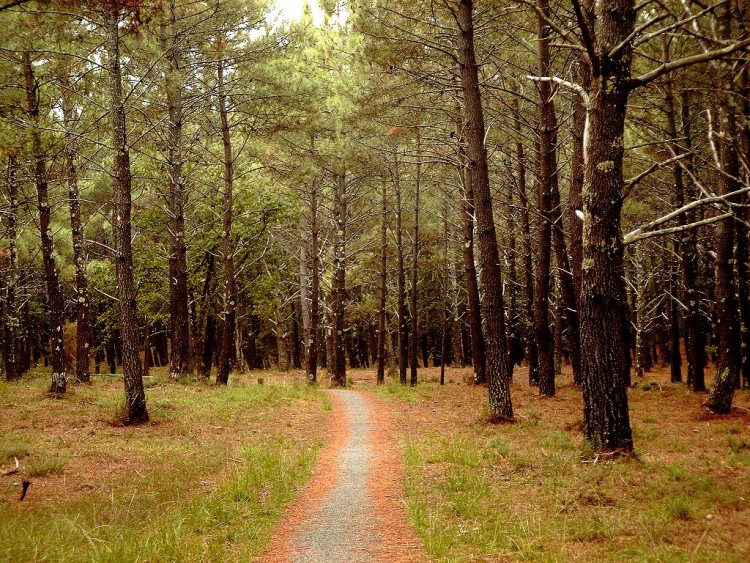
{"points": [[352, 508]]}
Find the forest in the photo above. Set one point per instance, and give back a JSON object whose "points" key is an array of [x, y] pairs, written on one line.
{"points": [[540, 200]]}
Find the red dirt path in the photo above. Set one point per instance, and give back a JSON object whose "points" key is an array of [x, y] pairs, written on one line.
{"points": [[385, 477]]}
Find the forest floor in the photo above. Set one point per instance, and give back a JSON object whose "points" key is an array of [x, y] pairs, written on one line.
{"points": [[530, 491], [208, 478], [205, 480]]}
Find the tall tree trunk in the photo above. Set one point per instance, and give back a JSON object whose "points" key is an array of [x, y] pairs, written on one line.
{"points": [[444, 305], [227, 245], [338, 297], [532, 355], [414, 273], [547, 177], [135, 398], [499, 367], [575, 204], [83, 324], [179, 364], [403, 324], [311, 356], [54, 295], [11, 317], [695, 337], [473, 307], [727, 317], [382, 319], [679, 200], [603, 305], [743, 234]]}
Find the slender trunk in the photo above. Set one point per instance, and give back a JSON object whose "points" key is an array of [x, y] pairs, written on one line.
{"points": [[338, 296], [11, 318], [473, 307], [311, 356], [403, 324], [227, 245], [414, 276], [444, 305], [135, 398], [679, 201], [727, 316], [603, 308], [532, 355], [83, 325], [743, 243], [575, 204], [695, 337], [499, 368], [382, 326], [54, 295], [547, 177], [296, 364], [179, 364]]}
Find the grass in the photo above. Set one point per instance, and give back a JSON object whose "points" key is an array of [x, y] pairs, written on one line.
{"points": [[205, 480], [534, 491]]}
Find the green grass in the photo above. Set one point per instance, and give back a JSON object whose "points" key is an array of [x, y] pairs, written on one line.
{"points": [[45, 465], [206, 479], [532, 491]]}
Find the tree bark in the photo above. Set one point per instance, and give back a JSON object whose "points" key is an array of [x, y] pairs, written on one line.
{"points": [[54, 295], [383, 275], [414, 273], [11, 320], [727, 316], [179, 364], [135, 397], [532, 355], [403, 324], [499, 367], [338, 289], [227, 245], [83, 325], [311, 356], [603, 305], [547, 177], [695, 338], [478, 356], [575, 203]]}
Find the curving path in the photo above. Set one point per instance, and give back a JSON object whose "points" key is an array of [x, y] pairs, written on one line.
{"points": [[351, 510]]}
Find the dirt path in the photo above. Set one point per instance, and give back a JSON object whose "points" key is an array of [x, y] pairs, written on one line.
{"points": [[352, 509]]}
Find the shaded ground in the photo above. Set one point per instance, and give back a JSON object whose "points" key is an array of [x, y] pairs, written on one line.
{"points": [[351, 510]]}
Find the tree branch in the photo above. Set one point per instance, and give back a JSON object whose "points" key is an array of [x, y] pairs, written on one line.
{"points": [[686, 61]]}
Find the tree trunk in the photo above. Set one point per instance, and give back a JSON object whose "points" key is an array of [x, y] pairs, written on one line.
{"points": [[311, 356], [473, 307], [382, 320], [403, 324], [499, 368], [227, 246], [338, 289], [603, 306], [727, 316], [532, 355], [179, 364], [547, 177], [575, 204], [414, 274], [54, 295], [135, 398], [83, 325], [11, 317], [695, 337]]}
